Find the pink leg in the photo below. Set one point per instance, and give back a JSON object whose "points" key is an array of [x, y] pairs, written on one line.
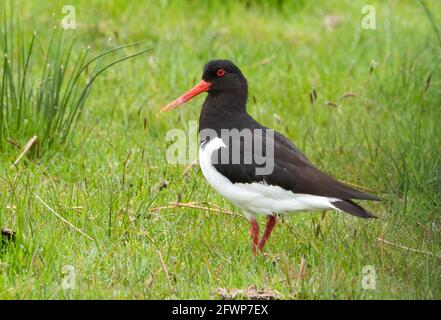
{"points": [[254, 231], [270, 224]]}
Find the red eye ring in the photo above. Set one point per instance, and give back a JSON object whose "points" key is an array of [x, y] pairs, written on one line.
{"points": [[220, 72]]}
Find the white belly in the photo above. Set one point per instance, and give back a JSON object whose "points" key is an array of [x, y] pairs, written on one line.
{"points": [[256, 198]]}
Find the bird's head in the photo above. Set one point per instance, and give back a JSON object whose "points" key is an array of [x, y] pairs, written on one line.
{"points": [[220, 77]]}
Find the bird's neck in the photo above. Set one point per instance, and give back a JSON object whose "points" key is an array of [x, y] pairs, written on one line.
{"points": [[223, 111]]}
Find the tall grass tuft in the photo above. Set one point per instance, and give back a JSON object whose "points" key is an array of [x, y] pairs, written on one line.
{"points": [[44, 88]]}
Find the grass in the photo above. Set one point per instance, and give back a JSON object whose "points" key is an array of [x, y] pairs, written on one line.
{"points": [[51, 106], [383, 134]]}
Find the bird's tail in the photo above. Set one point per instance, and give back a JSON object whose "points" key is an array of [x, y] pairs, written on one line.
{"points": [[351, 207]]}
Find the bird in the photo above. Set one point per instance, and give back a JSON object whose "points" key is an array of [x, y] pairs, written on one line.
{"points": [[229, 140]]}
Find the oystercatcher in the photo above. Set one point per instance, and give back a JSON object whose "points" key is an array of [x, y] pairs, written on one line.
{"points": [[230, 164]]}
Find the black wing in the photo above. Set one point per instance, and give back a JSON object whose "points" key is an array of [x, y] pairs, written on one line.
{"points": [[292, 170]]}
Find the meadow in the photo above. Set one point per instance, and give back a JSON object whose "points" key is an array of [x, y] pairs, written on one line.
{"points": [[98, 212]]}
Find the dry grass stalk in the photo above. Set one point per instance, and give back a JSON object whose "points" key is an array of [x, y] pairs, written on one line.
{"points": [[62, 218], [381, 240], [195, 205], [26, 148], [164, 268]]}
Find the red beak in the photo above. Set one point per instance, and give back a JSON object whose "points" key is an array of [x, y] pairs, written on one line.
{"points": [[202, 86]]}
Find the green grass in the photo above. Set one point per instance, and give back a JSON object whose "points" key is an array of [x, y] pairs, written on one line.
{"points": [[386, 137], [48, 105]]}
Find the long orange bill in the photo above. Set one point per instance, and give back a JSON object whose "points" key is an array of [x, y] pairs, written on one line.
{"points": [[202, 86]]}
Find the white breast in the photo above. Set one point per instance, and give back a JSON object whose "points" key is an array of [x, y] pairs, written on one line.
{"points": [[256, 198]]}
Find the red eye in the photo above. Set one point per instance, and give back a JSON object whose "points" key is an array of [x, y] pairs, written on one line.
{"points": [[220, 72]]}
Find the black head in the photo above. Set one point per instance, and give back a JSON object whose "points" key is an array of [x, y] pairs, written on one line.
{"points": [[225, 77], [219, 78]]}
